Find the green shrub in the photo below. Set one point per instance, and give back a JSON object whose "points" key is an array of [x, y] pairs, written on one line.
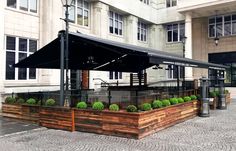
{"points": [[98, 106], [193, 97], [165, 103], [50, 102], [174, 101], [40, 102], [31, 101], [146, 107], [114, 107], [180, 100], [226, 91], [212, 94], [131, 108], [157, 104], [199, 97], [217, 93], [81, 105], [187, 99], [20, 101], [10, 100]]}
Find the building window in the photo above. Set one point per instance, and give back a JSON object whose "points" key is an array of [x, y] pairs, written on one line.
{"points": [[222, 25], [171, 3], [172, 72], [175, 32], [145, 1], [116, 23], [142, 31], [79, 12], [24, 5], [18, 49], [115, 75]]}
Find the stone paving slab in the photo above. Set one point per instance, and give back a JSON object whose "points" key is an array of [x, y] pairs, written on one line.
{"points": [[215, 133]]}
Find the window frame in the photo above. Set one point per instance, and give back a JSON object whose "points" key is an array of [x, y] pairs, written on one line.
{"points": [[140, 28], [17, 53], [119, 20], [147, 2], [171, 3], [170, 73], [172, 32], [76, 8], [115, 75], [222, 24], [29, 6]]}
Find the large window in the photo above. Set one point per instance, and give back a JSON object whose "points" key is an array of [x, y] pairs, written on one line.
{"points": [[142, 31], [172, 72], [114, 75], [116, 23], [171, 3], [16, 50], [222, 25], [175, 32], [25, 5], [145, 1], [79, 12]]}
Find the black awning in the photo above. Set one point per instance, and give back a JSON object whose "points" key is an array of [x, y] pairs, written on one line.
{"points": [[92, 53]]}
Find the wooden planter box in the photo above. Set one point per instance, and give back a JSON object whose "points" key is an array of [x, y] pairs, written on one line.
{"points": [[57, 118], [21, 111], [228, 99], [134, 125]]}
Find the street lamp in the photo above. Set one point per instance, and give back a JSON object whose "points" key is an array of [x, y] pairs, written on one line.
{"points": [[183, 42], [66, 4]]}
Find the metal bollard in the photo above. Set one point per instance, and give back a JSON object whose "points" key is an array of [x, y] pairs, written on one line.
{"points": [[205, 108], [222, 97]]}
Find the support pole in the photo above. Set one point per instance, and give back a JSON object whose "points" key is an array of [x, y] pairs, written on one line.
{"points": [[177, 67], [61, 34]]}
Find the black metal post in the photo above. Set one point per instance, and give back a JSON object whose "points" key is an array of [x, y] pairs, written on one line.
{"points": [[109, 98], [177, 67], [183, 82], [61, 34]]}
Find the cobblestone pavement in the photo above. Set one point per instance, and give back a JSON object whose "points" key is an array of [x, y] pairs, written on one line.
{"points": [[216, 133]]}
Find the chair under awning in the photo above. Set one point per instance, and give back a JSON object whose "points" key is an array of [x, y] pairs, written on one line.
{"points": [[93, 53]]}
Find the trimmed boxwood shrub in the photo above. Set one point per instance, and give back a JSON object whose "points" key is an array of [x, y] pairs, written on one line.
{"points": [[146, 107], [212, 94], [165, 103], [20, 101], [193, 97], [81, 105], [187, 99], [10, 100], [31, 101], [131, 108], [226, 91], [114, 107], [174, 101], [217, 93], [180, 100], [50, 102], [157, 104], [98, 106]]}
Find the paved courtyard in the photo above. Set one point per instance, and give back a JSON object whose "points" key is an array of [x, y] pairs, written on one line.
{"points": [[216, 133]]}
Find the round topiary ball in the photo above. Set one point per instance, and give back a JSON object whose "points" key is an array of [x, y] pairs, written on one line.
{"points": [[31, 101], [114, 107], [98, 106], [20, 101], [157, 104], [165, 103], [131, 108], [187, 99], [193, 97], [50, 102], [10, 100], [174, 101], [146, 106], [180, 100], [81, 105]]}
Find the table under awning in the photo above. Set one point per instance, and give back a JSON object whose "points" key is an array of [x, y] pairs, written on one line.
{"points": [[93, 53]]}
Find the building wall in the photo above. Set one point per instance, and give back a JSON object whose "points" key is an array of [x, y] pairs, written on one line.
{"points": [[203, 45]]}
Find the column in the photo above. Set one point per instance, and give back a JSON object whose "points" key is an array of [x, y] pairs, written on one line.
{"points": [[2, 52], [100, 19], [188, 44], [154, 37], [131, 30]]}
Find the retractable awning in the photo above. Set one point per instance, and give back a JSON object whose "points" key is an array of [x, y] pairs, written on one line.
{"points": [[92, 53]]}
